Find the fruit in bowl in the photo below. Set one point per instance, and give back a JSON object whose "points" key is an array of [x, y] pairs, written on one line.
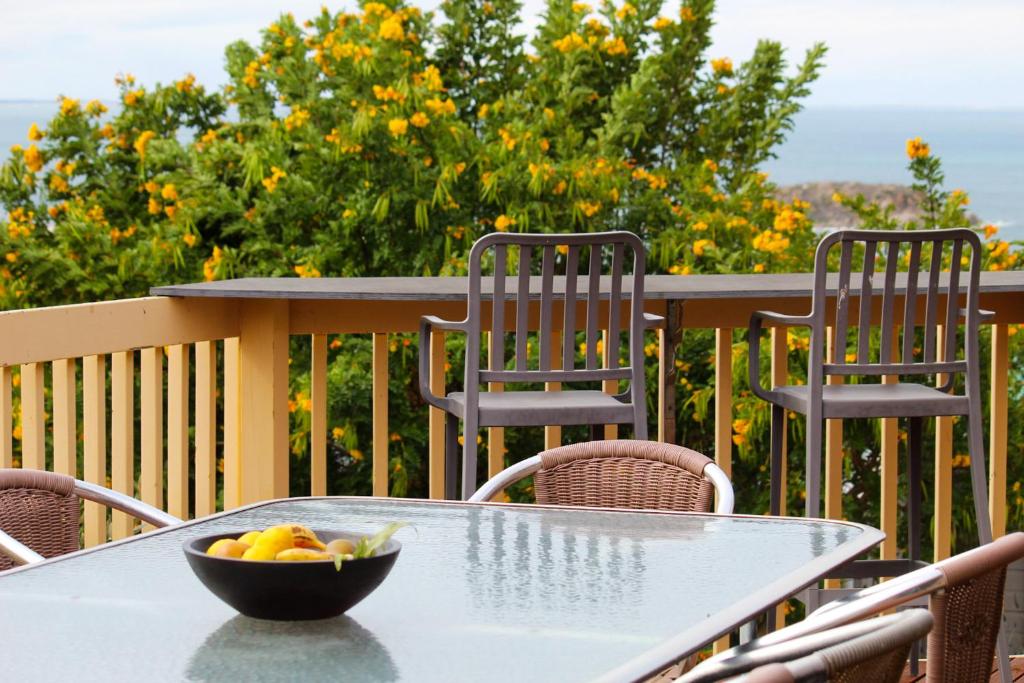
{"points": [[290, 572]]}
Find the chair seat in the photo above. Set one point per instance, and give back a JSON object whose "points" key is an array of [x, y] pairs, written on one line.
{"points": [[542, 408], [873, 400]]}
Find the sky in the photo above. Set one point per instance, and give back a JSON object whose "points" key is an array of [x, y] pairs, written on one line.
{"points": [[935, 54]]}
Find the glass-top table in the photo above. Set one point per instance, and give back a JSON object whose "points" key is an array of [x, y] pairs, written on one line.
{"points": [[479, 592]]}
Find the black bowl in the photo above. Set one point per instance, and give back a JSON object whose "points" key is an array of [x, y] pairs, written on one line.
{"points": [[290, 591]]}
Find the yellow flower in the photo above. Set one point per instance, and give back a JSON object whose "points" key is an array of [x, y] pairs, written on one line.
{"points": [[771, 242], [503, 222], [588, 208], [398, 127], [169, 192], [58, 184], [570, 42], [391, 28], [107, 131], [722, 89], [356, 454], [68, 106], [210, 264], [626, 10], [34, 133], [296, 119], [388, 94], [11, 257], [275, 175], [700, 245], [348, 213], [686, 14], [788, 220], [662, 23], [959, 197], [154, 206], [431, 77], [338, 432], [33, 159], [419, 119], [990, 230], [616, 46], [439, 107], [141, 142], [189, 239], [507, 139], [758, 267], [132, 96], [306, 271], [482, 112], [722, 66], [837, 198], [185, 85], [581, 7], [917, 149], [170, 210]]}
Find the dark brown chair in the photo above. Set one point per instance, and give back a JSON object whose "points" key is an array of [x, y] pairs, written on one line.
{"points": [[39, 514], [641, 475], [965, 597], [862, 253], [532, 408], [876, 655]]}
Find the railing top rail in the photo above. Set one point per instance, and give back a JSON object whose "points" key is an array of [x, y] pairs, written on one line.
{"points": [[676, 287]]}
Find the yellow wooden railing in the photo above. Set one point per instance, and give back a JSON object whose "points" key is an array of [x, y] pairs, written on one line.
{"points": [[148, 342]]}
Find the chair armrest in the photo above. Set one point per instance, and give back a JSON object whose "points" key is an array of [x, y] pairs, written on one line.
{"points": [[127, 504], [505, 478], [652, 321], [723, 487], [18, 551], [754, 343], [427, 325]]}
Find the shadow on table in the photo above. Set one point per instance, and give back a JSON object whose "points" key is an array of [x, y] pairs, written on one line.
{"points": [[253, 649]]}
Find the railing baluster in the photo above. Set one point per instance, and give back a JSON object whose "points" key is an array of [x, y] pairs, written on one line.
{"points": [[122, 435], [33, 436], [943, 469], [435, 471], [723, 420], [495, 435], [6, 418], [65, 420], [318, 417], [836, 347], [206, 429], [94, 425], [889, 469], [380, 414], [780, 376], [151, 475], [553, 433], [177, 430], [232, 436], [998, 416]]}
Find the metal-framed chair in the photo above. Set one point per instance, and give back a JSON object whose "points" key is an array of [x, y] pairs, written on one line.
{"points": [[965, 597], [566, 253], [877, 654], [922, 290], [39, 513], [643, 475]]}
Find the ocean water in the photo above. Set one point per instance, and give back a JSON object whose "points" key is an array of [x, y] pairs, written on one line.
{"points": [[982, 151]]}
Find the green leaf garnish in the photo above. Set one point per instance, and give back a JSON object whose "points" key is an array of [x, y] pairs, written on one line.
{"points": [[367, 547]]}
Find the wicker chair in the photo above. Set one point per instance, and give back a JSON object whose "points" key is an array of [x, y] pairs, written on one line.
{"points": [[876, 655], [965, 596], [39, 514], [646, 475]]}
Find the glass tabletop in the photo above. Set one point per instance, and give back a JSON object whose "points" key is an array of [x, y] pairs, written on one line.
{"points": [[478, 592]]}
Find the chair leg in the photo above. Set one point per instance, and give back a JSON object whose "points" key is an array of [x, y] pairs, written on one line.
{"points": [[914, 440], [775, 466], [469, 451], [812, 507], [451, 456]]}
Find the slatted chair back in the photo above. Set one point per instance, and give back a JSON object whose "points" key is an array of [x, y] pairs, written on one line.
{"points": [[924, 268], [603, 259]]}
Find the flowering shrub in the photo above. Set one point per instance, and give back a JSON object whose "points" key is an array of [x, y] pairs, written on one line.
{"points": [[384, 142]]}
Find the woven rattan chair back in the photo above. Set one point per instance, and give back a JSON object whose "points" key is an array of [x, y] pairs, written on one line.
{"points": [[39, 509], [968, 612], [642, 475]]}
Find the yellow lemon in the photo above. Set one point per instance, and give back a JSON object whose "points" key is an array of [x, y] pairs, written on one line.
{"points": [[227, 547], [260, 552], [249, 538]]}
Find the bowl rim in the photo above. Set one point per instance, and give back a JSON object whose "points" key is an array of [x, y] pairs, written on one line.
{"points": [[390, 547]]}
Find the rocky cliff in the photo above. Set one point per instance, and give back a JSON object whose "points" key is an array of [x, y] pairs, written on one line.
{"points": [[826, 213]]}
